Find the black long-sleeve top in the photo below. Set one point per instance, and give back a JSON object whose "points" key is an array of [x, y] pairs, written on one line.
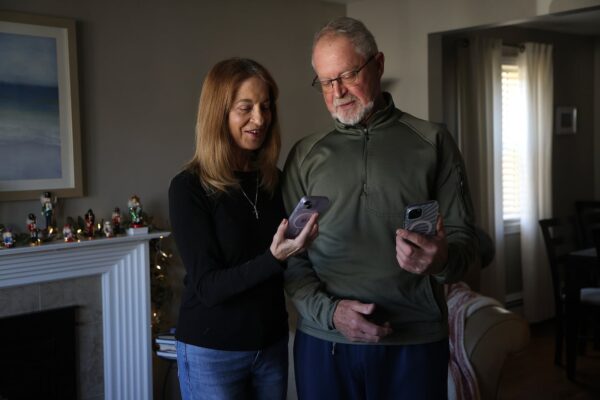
{"points": [[233, 289]]}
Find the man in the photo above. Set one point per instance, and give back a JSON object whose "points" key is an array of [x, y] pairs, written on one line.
{"points": [[373, 318]]}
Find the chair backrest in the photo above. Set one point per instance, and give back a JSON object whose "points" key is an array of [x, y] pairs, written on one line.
{"points": [[588, 219], [560, 238], [596, 239]]}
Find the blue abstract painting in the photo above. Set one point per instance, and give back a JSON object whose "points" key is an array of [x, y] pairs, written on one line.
{"points": [[30, 145]]}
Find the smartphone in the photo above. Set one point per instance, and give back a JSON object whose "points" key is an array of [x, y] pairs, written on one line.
{"points": [[422, 217], [306, 207]]}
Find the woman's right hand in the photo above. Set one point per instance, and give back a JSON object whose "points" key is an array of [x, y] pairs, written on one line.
{"points": [[282, 248]]}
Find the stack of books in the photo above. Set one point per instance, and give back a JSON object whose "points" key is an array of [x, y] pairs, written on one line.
{"points": [[166, 345]]}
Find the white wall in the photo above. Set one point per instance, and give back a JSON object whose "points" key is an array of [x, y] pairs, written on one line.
{"points": [[401, 29]]}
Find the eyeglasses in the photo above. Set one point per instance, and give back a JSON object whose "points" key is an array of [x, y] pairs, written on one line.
{"points": [[347, 78]]}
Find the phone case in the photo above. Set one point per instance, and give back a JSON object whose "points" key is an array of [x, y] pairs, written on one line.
{"points": [[306, 207], [421, 218]]}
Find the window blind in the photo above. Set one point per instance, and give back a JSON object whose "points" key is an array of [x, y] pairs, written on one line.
{"points": [[513, 136]]}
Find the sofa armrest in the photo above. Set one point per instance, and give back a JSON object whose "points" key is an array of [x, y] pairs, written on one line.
{"points": [[491, 334]]}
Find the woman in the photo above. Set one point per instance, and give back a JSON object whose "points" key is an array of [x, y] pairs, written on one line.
{"points": [[228, 221]]}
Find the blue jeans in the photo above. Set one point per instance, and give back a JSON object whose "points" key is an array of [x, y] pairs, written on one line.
{"points": [[209, 374], [337, 371]]}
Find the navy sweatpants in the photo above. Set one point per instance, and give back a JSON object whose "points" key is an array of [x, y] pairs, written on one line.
{"points": [[335, 371]]}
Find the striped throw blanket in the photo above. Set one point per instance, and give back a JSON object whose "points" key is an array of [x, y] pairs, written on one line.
{"points": [[462, 302]]}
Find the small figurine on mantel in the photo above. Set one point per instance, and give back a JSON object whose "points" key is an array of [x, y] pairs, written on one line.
{"points": [[47, 208], [108, 229], [68, 233], [116, 220], [89, 219], [135, 213], [8, 239], [32, 228]]}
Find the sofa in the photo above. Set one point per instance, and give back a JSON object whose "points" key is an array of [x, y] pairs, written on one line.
{"points": [[491, 332], [491, 335]]}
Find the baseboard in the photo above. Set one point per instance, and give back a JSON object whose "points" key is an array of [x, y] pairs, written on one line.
{"points": [[513, 300]]}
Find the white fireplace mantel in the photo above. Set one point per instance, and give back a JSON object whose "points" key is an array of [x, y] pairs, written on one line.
{"points": [[123, 265]]}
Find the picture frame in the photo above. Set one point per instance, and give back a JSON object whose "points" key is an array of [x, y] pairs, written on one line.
{"points": [[565, 120], [40, 133]]}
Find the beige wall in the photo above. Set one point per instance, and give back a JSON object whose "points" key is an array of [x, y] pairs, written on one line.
{"points": [[141, 66], [413, 61], [401, 29]]}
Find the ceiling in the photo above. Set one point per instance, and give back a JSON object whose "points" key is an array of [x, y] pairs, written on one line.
{"points": [[586, 22], [581, 23]]}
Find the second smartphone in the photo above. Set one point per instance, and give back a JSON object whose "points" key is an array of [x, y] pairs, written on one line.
{"points": [[422, 217]]}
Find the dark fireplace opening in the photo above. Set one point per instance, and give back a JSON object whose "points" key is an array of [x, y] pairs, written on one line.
{"points": [[37, 355]]}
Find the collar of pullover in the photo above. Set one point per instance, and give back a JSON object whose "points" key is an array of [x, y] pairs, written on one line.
{"points": [[379, 119]]}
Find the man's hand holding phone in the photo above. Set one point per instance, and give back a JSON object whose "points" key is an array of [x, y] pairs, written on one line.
{"points": [[422, 251]]}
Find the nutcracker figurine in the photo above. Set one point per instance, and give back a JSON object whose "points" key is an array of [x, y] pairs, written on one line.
{"points": [[135, 212], [32, 228], [89, 219], [116, 220], [47, 208]]}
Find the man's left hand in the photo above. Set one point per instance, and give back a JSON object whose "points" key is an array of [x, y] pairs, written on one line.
{"points": [[422, 254]]}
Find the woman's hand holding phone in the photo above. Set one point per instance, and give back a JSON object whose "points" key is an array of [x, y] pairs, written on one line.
{"points": [[307, 206], [283, 247]]}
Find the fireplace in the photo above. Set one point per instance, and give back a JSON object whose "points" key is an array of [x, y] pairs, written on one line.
{"points": [[108, 279], [38, 355]]}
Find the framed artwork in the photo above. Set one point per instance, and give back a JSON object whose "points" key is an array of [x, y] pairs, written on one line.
{"points": [[40, 139], [565, 120]]}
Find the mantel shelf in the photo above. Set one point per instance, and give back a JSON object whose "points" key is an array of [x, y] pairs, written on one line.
{"points": [[101, 241]]}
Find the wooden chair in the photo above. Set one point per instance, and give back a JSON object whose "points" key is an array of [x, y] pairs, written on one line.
{"points": [[588, 219], [561, 237], [596, 240]]}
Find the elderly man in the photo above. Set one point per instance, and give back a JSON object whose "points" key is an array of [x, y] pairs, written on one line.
{"points": [[373, 318]]}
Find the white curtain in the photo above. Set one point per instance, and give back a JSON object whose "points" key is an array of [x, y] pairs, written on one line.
{"points": [[536, 63], [480, 141]]}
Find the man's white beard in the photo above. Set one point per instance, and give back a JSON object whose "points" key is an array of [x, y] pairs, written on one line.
{"points": [[357, 116]]}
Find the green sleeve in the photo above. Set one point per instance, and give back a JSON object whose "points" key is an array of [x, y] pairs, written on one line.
{"points": [[302, 284], [457, 210]]}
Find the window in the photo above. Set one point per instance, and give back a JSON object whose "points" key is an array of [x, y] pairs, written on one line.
{"points": [[513, 136]]}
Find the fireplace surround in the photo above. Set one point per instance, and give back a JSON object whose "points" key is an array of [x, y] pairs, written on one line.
{"points": [[121, 265]]}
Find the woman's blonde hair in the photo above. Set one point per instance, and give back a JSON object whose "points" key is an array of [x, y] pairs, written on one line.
{"points": [[214, 160]]}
